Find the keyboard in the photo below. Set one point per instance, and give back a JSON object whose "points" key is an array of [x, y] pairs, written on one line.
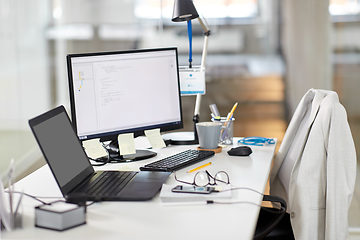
{"points": [[109, 183], [178, 161]]}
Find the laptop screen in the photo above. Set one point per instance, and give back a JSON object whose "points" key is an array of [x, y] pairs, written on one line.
{"points": [[61, 147]]}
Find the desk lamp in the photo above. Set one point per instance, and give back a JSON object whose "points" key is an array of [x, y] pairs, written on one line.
{"points": [[184, 10]]}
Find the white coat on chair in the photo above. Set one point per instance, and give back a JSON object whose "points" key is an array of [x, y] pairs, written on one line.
{"points": [[316, 175]]}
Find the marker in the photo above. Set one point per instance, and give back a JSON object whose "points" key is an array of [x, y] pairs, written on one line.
{"points": [[214, 110], [202, 166]]}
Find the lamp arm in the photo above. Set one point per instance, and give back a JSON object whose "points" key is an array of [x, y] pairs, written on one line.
{"points": [[204, 52], [204, 25]]}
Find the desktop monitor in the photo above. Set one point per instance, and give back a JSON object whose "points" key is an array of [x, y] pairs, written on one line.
{"points": [[118, 92]]}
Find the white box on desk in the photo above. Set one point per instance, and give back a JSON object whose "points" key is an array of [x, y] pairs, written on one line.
{"points": [[59, 216]]}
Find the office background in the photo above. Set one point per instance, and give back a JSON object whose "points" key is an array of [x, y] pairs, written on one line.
{"points": [[264, 54]]}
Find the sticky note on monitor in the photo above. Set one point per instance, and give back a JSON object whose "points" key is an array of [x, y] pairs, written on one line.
{"points": [[155, 138], [94, 149], [126, 143]]}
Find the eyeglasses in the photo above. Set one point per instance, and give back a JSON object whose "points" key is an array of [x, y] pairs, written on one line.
{"points": [[257, 141], [204, 178]]}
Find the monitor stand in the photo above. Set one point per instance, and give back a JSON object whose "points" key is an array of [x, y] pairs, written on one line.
{"points": [[115, 155]]}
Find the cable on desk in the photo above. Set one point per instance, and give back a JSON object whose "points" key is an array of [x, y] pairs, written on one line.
{"points": [[90, 203], [37, 198], [240, 202], [243, 188], [271, 210], [98, 159]]}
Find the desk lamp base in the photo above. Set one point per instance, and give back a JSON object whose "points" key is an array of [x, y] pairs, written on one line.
{"points": [[184, 138]]}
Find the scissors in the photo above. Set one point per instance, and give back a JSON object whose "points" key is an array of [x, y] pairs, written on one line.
{"points": [[257, 141]]}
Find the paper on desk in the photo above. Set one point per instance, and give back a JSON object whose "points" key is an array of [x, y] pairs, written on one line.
{"points": [[93, 148], [126, 143], [170, 198], [155, 138]]}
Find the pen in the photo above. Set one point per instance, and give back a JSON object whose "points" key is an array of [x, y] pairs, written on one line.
{"points": [[202, 166]]}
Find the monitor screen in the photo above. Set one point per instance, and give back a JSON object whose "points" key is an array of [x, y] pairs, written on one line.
{"points": [[124, 91]]}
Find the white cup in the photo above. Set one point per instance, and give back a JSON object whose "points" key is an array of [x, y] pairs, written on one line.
{"points": [[208, 134]]}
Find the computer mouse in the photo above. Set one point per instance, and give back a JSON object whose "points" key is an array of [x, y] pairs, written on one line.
{"points": [[240, 151]]}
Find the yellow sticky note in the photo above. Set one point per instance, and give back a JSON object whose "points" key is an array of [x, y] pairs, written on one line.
{"points": [[94, 149], [126, 143], [155, 138]]}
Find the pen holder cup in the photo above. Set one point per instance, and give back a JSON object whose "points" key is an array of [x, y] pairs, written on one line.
{"points": [[16, 222], [227, 130]]}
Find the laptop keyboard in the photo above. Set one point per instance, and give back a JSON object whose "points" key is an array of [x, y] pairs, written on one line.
{"points": [[109, 183], [178, 161]]}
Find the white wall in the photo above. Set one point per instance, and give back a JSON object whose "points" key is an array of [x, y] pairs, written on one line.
{"points": [[99, 12], [24, 65]]}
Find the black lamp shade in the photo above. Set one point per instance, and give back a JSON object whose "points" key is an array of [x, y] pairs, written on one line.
{"points": [[184, 10]]}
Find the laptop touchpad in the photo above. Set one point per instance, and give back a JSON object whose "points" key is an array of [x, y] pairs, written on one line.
{"points": [[137, 186], [140, 191]]}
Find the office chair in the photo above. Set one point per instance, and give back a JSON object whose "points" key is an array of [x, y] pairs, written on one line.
{"points": [[314, 171], [269, 218]]}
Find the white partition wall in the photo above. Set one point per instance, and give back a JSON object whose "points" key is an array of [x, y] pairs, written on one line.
{"points": [[24, 63], [25, 87]]}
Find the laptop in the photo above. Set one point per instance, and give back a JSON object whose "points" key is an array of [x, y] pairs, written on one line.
{"points": [[73, 171]]}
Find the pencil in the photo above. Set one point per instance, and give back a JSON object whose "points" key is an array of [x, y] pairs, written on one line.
{"points": [[227, 122], [231, 113], [202, 166]]}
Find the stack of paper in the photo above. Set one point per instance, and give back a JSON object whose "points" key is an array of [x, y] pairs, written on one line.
{"points": [[172, 198]]}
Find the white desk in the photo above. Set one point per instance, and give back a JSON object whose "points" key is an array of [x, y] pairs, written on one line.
{"points": [[152, 220]]}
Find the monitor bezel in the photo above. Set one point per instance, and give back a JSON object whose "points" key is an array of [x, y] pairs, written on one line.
{"points": [[112, 136]]}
